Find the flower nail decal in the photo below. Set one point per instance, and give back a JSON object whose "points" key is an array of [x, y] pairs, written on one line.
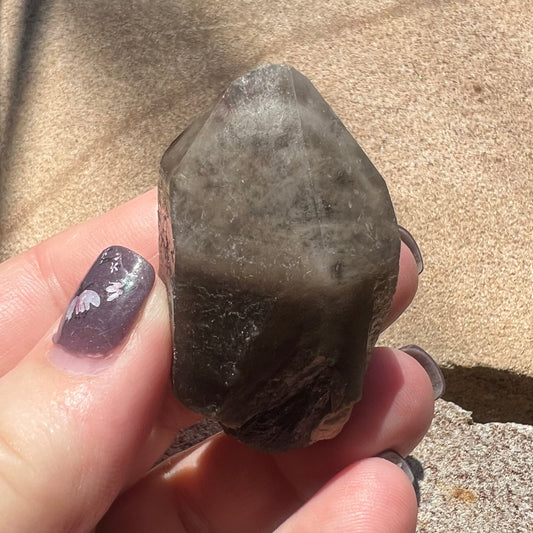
{"points": [[112, 257], [82, 303], [114, 291], [107, 302]]}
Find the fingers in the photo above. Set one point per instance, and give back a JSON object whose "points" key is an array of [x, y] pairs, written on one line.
{"points": [[35, 286], [228, 487], [394, 413], [84, 426], [73, 421], [406, 286], [214, 488], [371, 495]]}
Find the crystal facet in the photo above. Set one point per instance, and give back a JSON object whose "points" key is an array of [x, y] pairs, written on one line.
{"points": [[279, 247]]}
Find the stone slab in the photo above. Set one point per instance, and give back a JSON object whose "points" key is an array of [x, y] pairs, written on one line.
{"points": [[474, 477]]}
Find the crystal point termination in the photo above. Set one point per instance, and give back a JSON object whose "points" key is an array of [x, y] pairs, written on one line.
{"points": [[279, 248]]}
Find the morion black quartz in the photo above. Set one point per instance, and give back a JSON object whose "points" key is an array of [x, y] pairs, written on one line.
{"points": [[279, 247]]}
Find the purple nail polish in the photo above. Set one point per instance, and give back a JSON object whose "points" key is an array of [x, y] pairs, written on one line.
{"points": [[410, 242], [398, 460], [107, 303], [430, 366]]}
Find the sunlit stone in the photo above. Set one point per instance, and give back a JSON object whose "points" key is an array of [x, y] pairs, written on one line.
{"points": [[279, 248]]}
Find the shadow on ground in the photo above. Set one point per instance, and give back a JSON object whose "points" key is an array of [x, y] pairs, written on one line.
{"points": [[491, 395], [24, 51]]}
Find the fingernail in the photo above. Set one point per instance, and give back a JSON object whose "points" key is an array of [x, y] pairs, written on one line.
{"points": [[430, 366], [398, 460], [410, 242], [104, 308]]}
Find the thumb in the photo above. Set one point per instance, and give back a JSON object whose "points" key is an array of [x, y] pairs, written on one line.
{"points": [[78, 409]]}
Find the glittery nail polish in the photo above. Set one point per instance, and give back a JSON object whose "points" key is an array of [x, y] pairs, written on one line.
{"points": [[107, 303]]}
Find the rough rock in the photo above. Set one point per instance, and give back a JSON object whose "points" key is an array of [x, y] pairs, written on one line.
{"points": [[280, 249], [474, 477]]}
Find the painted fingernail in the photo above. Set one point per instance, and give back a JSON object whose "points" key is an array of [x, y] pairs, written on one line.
{"points": [[410, 242], [430, 366], [102, 312], [398, 460]]}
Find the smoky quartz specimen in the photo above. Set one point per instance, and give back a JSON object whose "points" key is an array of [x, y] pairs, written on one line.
{"points": [[279, 247]]}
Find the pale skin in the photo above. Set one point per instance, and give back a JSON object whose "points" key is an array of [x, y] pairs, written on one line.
{"points": [[76, 449]]}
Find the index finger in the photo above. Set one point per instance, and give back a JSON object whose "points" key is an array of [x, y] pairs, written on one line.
{"points": [[36, 286]]}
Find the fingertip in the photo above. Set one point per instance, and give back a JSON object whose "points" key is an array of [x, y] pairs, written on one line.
{"points": [[416, 402], [406, 287], [397, 406], [408, 239], [431, 367], [396, 498], [369, 495]]}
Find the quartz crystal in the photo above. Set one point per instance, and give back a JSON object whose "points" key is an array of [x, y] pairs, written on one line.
{"points": [[279, 248]]}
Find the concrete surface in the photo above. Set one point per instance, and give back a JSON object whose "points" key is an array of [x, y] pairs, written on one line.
{"points": [[473, 477], [438, 92]]}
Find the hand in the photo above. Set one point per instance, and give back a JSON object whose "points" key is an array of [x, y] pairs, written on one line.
{"points": [[79, 434]]}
